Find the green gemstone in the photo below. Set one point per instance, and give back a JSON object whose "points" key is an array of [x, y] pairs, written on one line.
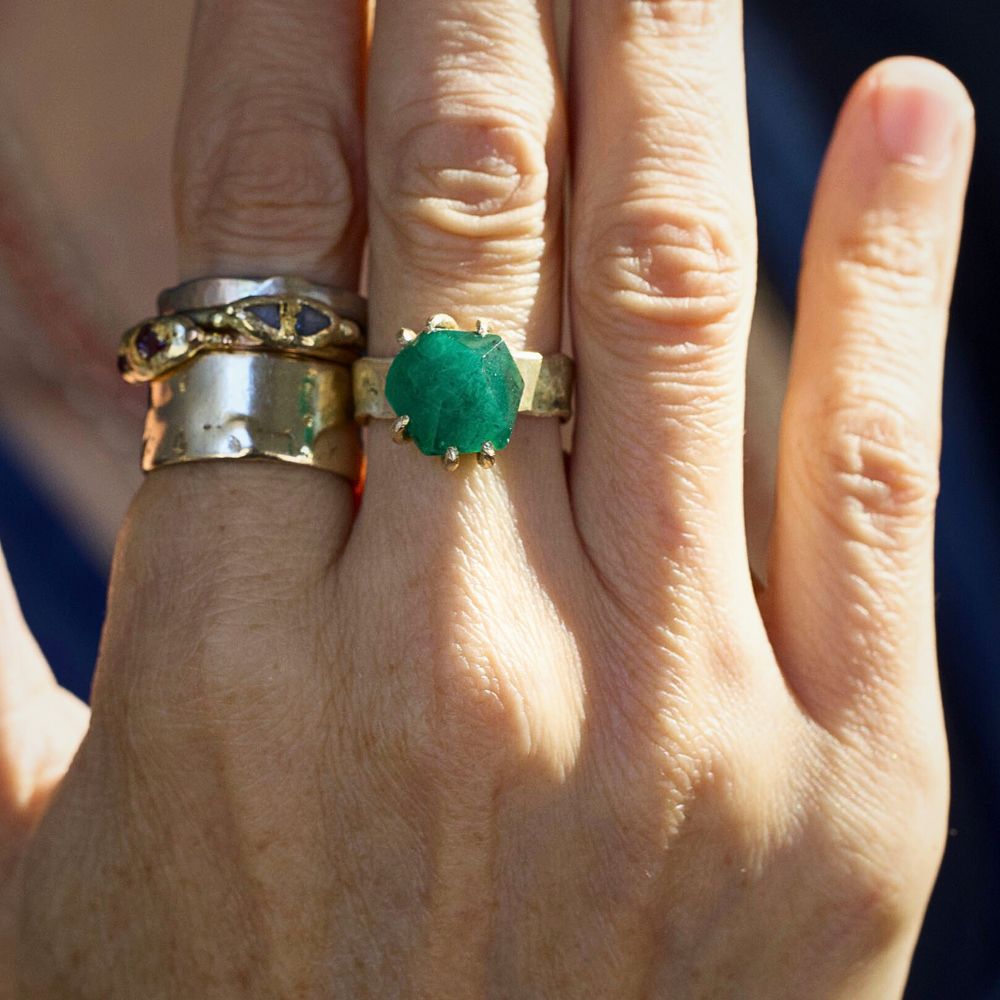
{"points": [[459, 390]]}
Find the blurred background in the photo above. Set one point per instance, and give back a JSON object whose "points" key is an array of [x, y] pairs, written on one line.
{"points": [[89, 91]]}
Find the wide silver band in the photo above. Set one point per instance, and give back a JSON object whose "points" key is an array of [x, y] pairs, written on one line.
{"points": [[205, 293], [255, 404]]}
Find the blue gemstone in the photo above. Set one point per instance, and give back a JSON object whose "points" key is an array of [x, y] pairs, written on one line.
{"points": [[310, 321], [268, 313]]}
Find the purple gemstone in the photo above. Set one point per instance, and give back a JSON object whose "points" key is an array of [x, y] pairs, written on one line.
{"points": [[148, 343], [310, 321]]}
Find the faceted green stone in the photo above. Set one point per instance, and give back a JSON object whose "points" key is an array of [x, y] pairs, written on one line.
{"points": [[459, 389]]}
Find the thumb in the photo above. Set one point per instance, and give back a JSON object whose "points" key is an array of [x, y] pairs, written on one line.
{"points": [[41, 726]]}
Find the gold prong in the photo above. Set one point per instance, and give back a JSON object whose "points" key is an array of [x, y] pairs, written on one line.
{"points": [[399, 426], [482, 327], [487, 456], [440, 321], [406, 336], [450, 459]]}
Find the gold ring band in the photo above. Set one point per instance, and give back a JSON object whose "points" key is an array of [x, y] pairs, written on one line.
{"points": [[286, 323], [253, 405]]}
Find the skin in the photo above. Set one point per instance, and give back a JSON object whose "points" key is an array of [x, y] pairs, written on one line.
{"points": [[515, 733]]}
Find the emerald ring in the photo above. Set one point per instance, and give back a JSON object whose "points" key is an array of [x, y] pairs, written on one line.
{"points": [[455, 392]]}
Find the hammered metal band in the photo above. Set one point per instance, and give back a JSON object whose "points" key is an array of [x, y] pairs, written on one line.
{"points": [[253, 405], [548, 386], [212, 292]]}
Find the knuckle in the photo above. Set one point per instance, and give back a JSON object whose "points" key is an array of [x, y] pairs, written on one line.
{"points": [[879, 874], [475, 713], [874, 872], [673, 276], [655, 778], [471, 710], [870, 907], [461, 179], [477, 707], [888, 260], [149, 718], [880, 474], [272, 178], [481, 701], [676, 16]]}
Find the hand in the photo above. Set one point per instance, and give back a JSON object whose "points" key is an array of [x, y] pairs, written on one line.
{"points": [[515, 733]]}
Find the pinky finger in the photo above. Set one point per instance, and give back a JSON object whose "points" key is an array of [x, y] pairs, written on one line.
{"points": [[849, 603]]}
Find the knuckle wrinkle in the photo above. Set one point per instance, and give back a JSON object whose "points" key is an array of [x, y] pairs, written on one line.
{"points": [[273, 179], [468, 179], [884, 476], [677, 274]]}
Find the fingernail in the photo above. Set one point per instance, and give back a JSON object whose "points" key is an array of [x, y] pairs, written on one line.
{"points": [[918, 110]]}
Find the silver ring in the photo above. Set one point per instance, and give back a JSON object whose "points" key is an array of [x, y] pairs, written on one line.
{"points": [[253, 405], [207, 293]]}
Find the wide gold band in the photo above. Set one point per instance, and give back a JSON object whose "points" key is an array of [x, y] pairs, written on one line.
{"points": [[253, 405], [548, 386]]}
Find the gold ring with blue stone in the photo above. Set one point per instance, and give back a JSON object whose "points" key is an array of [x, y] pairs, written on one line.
{"points": [[453, 392], [288, 324]]}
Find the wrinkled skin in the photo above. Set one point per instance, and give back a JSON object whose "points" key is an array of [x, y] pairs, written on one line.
{"points": [[519, 733]]}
